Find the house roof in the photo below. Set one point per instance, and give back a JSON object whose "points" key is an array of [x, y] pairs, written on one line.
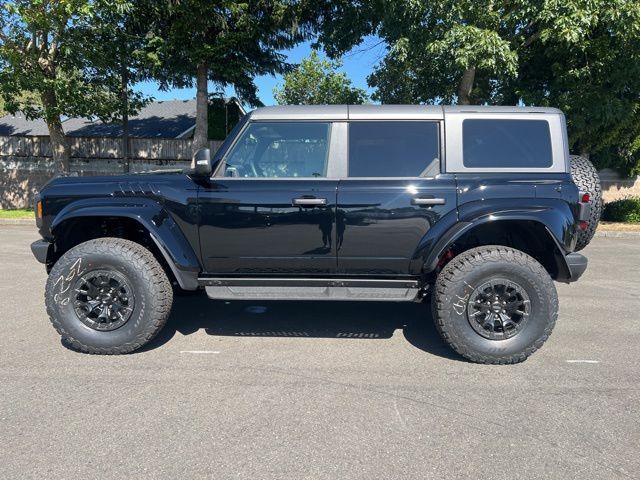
{"points": [[157, 119], [164, 119], [18, 125]]}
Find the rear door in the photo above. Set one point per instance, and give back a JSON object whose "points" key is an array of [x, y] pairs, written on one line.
{"points": [[392, 195]]}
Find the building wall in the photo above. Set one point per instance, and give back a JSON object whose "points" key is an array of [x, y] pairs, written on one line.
{"points": [[614, 187], [26, 163]]}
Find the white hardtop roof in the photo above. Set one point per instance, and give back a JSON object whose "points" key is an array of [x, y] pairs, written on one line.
{"points": [[382, 112]]}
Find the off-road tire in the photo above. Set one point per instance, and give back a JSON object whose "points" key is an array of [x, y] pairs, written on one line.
{"points": [[149, 282], [585, 176], [458, 280]]}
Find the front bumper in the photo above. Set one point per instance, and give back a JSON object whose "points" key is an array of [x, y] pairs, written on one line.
{"points": [[577, 264], [40, 249]]}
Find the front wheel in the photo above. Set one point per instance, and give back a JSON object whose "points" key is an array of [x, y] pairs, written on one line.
{"points": [[108, 296], [494, 304]]}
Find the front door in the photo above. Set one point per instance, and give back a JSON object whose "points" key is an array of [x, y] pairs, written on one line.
{"points": [[393, 194], [273, 210]]}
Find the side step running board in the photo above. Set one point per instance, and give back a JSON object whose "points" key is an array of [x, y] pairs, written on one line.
{"points": [[310, 289]]}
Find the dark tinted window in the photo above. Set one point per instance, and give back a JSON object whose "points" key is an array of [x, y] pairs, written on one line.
{"points": [[506, 144], [392, 149]]}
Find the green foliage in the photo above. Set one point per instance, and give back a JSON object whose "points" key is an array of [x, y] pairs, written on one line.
{"points": [[625, 210], [65, 52], [430, 45], [222, 118], [582, 56], [587, 62], [315, 82], [237, 41], [27, 98]]}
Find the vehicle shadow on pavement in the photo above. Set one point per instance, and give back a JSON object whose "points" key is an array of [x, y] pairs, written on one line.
{"points": [[304, 319]]}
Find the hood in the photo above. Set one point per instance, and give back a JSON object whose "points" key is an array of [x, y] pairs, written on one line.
{"points": [[75, 179]]}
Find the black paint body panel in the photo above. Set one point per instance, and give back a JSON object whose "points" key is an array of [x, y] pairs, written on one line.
{"points": [[378, 225], [369, 228], [252, 227]]}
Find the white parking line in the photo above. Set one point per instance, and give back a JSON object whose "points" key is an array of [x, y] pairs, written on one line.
{"points": [[198, 351], [583, 361]]}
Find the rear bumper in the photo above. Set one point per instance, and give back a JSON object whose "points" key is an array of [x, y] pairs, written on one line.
{"points": [[40, 249], [576, 265]]}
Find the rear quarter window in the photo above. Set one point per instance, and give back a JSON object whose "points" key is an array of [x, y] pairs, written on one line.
{"points": [[489, 143]]}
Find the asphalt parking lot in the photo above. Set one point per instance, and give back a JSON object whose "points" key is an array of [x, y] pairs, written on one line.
{"points": [[322, 390]]}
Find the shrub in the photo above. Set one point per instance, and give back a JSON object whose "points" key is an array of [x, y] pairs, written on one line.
{"points": [[623, 210]]}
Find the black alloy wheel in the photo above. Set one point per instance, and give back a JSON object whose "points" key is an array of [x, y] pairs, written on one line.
{"points": [[103, 300]]}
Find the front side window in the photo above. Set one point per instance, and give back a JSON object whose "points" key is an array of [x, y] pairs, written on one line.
{"points": [[493, 143], [280, 149], [393, 149]]}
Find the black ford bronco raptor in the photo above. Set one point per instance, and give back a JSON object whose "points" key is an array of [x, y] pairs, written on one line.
{"points": [[476, 210]]}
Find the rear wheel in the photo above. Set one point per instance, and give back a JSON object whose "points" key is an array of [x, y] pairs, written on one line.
{"points": [[494, 304], [108, 296], [586, 178]]}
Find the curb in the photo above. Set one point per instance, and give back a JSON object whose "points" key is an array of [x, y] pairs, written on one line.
{"points": [[612, 234], [18, 221]]}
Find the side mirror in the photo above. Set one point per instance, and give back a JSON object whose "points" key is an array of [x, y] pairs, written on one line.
{"points": [[202, 165]]}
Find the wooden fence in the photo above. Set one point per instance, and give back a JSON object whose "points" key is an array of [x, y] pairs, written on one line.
{"points": [[102, 147], [26, 163]]}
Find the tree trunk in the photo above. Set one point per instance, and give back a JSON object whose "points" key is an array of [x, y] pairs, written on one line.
{"points": [[200, 135], [465, 86], [124, 91], [60, 148]]}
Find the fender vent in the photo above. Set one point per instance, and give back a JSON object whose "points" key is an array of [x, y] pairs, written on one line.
{"points": [[136, 189]]}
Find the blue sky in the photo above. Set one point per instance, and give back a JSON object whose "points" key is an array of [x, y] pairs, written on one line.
{"points": [[357, 64]]}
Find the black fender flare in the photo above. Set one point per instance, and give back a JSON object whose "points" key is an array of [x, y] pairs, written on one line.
{"points": [[162, 228], [554, 215]]}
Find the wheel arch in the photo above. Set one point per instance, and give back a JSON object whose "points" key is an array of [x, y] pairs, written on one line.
{"points": [[527, 233], [143, 221]]}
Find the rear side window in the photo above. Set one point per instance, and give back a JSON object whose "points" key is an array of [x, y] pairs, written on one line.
{"points": [[489, 143], [393, 149]]}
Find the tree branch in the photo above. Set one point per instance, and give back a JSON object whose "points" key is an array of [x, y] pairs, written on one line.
{"points": [[531, 38], [9, 42], [53, 50]]}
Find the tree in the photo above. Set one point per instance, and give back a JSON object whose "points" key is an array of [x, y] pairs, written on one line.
{"points": [[27, 98], [316, 82], [120, 35], [226, 42], [446, 51], [48, 48], [587, 62], [581, 56]]}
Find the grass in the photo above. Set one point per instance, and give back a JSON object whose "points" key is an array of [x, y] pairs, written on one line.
{"points": [[618, 227], [16, 214]]}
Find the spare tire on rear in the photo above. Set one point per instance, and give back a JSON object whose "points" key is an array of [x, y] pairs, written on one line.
{"points": [[585, 176]]}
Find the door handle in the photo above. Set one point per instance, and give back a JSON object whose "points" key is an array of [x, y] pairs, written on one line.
{"points": [[309, 202], [428, 201]]}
